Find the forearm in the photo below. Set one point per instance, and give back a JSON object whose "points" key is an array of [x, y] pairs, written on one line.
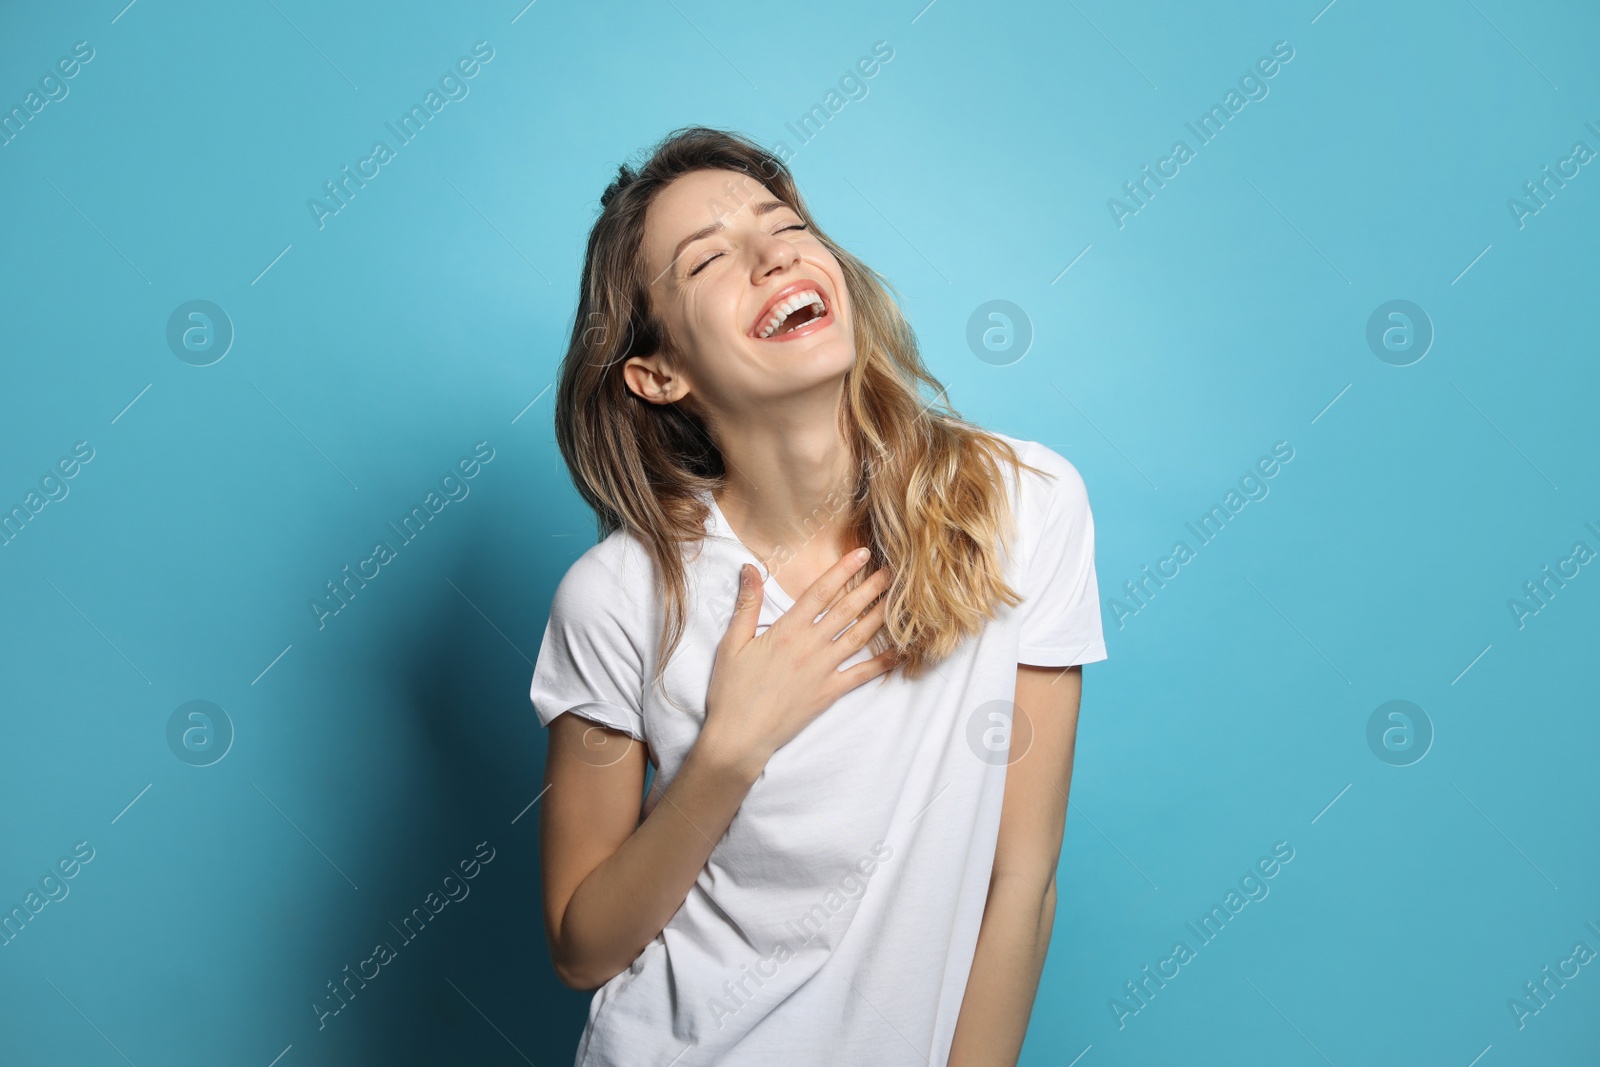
{"points": [[1012, 942], [626, 901]]}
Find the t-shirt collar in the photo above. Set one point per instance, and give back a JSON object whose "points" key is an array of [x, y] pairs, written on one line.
{"points": [[717, 527]]}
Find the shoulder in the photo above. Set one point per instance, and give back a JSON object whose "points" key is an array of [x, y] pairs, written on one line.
{"points": [[1058, 491], [610, 580]]}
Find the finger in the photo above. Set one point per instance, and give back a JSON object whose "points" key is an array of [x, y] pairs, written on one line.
{"points": [[746, 609], [865, 671], [850, 641], [854, 602], [815, 600]]}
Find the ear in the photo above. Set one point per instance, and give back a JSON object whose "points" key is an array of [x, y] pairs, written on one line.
{"points": [[653, 379]]}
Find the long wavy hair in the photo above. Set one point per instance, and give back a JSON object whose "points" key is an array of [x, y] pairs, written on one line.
{"points": [[929, 499]]}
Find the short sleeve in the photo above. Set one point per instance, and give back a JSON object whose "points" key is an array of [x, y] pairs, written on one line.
{"points": [[591, 659], [1060, 612]]}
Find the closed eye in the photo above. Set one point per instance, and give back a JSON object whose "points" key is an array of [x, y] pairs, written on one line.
{"points": [[702, 264]]}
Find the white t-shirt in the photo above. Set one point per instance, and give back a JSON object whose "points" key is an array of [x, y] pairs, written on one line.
{"points": [[836, 920]]}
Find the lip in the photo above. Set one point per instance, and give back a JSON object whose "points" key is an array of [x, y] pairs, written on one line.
{"points": [[823, 320]]}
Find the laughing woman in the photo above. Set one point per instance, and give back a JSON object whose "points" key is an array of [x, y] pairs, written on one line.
{"points": [[823, 871]]}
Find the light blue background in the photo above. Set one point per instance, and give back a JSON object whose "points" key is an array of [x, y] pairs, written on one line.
{"points": [[430, 314]]}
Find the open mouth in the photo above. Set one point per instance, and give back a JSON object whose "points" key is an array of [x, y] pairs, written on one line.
{"points": [[795, 311]]}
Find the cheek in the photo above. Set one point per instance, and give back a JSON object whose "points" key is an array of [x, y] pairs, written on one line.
{"points": [[842, 304], [701, 329], [717, 311]]}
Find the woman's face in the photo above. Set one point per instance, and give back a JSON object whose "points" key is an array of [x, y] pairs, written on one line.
{"points": [[726, 258]]}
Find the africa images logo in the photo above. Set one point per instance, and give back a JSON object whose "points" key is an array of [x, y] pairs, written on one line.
{"points": [[1210, 124], [737, 992], [452, 87]]}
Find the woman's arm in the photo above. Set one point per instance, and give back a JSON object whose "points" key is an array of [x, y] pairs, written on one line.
{"points": [[610, 881], [1020, 913]]}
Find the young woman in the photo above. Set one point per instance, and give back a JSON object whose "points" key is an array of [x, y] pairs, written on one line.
{"points": [[824, 871]]}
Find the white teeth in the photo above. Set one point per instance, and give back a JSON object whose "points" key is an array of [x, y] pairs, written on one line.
{"points": [[784, 308]]}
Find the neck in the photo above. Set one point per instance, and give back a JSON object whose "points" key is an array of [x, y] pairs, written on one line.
{"points": [[789, 481]]}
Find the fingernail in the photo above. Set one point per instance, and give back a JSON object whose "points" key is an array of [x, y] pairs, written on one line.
{"points": [[862, 554], [744, 575]]}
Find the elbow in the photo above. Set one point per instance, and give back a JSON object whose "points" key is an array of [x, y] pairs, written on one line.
{"points": [[581, 961], [583, 975], [568, 964], [575, 979], [573, 973]]}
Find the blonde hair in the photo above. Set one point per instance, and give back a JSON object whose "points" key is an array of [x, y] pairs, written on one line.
{"points": [[930, 501]]}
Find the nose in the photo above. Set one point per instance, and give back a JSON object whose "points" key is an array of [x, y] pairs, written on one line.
{"points": [[775, 254]]}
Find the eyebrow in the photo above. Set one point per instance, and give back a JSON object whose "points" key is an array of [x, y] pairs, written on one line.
{"points": [[763, 208]]}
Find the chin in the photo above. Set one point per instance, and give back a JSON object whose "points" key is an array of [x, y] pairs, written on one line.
{"points": [[837, 354]]}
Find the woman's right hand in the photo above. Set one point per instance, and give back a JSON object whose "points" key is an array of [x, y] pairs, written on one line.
{"points": [[765, 690]]}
